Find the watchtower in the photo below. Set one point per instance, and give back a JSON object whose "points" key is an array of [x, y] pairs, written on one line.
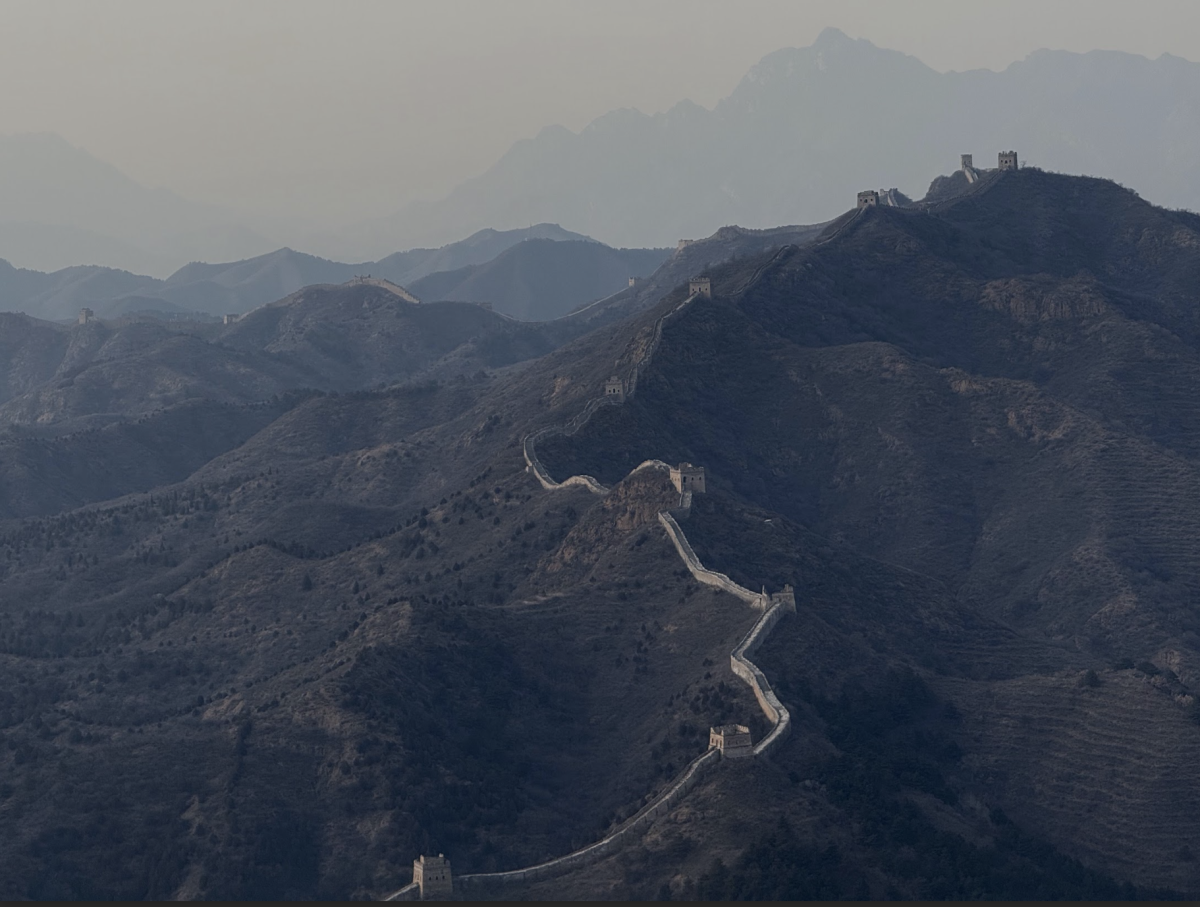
{"points": [[688, 478], [230, 319], [614, 387], [1007, 160], [868, 198], [968, 162], [701, 286], [634, 281], [86, 315], [432, 874], [733, 740], [787, 598]]}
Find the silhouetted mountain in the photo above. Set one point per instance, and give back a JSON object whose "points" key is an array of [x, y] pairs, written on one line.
{"points": [[808, 127], [61, 207], [540, 279], [480, 247], [239, 286]]}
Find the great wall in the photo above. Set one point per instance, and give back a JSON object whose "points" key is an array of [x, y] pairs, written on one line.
{"points": [[774, 607]]}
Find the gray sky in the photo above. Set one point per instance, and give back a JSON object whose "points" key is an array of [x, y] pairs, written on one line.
{"points": [[338, 110]]}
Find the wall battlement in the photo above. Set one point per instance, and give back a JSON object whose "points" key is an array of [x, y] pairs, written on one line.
{"points": [[868, 198]]}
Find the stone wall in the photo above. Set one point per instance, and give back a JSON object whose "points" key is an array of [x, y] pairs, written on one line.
{"points": [[744, 668], [706, 762], [410, 892], [699, 767], [702, 573]]}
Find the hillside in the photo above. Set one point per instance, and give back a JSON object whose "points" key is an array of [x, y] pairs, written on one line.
{"points": [[995, 394], [538, 280], [325, 338], [352, 627]]}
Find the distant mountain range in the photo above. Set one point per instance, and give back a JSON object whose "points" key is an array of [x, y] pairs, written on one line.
{"points": [[60, 206], [803, 131], [808, 127], [567, 269], [540, 279]]}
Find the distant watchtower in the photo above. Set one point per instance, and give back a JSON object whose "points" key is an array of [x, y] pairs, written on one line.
{"points": [[432, 874], [868, 199], [688, 478], [733, 740], [1007, 160], [614, 387], [634, 281], [701, 286], [86, 316], [231, 318], [968, 162]]}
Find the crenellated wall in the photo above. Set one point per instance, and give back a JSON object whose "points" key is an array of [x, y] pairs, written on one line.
{"points": [[702, 573]]}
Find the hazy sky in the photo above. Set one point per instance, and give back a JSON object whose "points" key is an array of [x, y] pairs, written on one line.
{"points": [[349, 108]]}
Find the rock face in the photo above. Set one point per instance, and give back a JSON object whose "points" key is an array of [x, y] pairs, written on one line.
{"points": [[280, 648]]}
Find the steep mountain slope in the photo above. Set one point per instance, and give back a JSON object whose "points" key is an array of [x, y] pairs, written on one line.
{"points": [[996, 393], [807, 127], [538, 280]]}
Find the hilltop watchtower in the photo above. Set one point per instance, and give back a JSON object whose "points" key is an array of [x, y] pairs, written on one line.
{"points": [[787, 598], [614, 387], [231, 318], [968, 162], [733, 740], [1007, 160], [86, 316], [688, 478], [701, 286], [868, 198], [432, 875]]}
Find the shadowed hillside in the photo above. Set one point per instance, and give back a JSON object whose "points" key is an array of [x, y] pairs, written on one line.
{"points": [[351, 627], [998, 394]]}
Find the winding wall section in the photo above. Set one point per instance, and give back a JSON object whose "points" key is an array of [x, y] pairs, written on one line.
{"points": [[740, 662]]}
